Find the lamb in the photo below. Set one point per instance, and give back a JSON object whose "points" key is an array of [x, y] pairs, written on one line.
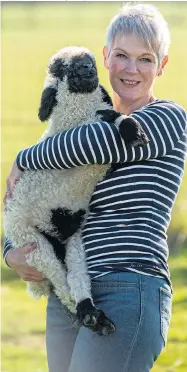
{"points": [[49, 206]]}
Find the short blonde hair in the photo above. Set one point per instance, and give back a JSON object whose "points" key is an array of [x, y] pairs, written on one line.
{"points": [[146, 23]]}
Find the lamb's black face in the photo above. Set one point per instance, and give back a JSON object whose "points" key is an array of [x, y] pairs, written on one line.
{"points": [[81, 73]]}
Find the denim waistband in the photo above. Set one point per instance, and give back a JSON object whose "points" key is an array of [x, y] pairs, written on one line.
{"points": [[128, 278]]}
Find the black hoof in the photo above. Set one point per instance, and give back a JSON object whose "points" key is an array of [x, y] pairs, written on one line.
{"points": [[90, 319], [132, 132], [104, 325], [93, 318]]}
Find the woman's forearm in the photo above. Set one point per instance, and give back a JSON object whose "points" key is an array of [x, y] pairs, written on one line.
{"points": [[88, 144], [101, 143]]}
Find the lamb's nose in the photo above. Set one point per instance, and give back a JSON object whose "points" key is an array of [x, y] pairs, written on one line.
{"points": [[88, 66]]}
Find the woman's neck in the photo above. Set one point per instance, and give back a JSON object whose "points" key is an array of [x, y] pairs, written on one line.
{"points": [[128, 107]]}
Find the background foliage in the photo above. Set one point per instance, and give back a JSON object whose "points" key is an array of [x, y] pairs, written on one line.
{"points": [[31, 33]]}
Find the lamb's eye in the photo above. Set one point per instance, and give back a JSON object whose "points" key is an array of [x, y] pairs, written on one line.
{"points": [[58, 68]]}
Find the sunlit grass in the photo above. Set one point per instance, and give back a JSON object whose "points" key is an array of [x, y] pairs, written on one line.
{"points": [[23, 327]]}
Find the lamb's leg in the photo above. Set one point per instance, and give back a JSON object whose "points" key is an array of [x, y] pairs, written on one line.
{"points": [[80, 287], [18, 222], [39, 289], [44, 260], [129, 128]]}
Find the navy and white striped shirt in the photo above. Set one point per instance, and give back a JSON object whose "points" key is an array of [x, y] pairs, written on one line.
{"points": [[130, 208]]}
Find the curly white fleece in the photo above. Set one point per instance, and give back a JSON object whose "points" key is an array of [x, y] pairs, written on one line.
{"points": [[38, 192]]}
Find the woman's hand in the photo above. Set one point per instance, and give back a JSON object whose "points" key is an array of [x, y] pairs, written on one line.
{"points": [[12, 179], [16, 259]]}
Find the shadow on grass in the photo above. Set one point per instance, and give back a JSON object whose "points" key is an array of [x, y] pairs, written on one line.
{"points": [[37, 332], [16, 337], [174, 340]]}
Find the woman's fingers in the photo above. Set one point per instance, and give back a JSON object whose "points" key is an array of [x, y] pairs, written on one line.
{"points": [[8, 196], [17, 259], [11, 181], [28, 273], [32, 272], [13, 177], [28, 277]]}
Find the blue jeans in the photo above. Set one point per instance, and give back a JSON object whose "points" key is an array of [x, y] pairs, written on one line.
{"points": [[139, 306]]}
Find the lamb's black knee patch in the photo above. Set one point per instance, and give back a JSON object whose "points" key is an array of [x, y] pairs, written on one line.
{"points": [[48, 101], [132, 132], [105, 96], [58, 68], [85, 305], [66, 223], [108, 115], [58, 246]]}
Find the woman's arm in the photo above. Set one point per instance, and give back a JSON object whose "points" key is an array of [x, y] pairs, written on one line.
{"points": [[164, 123], [7, 248]]}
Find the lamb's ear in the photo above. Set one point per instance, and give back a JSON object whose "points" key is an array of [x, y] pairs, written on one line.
{"points": [[105, 96], [48, 101]]}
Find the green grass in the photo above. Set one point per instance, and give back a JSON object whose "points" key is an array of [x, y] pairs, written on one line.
{"points": [[31, 33], [23, 325]]}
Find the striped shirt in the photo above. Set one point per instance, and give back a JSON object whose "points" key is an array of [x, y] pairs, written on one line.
{"points": [[130, 208]]}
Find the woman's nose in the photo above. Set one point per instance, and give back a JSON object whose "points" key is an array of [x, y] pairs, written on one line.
{"points": [[130, 66]]}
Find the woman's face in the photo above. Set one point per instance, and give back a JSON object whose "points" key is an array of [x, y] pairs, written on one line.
{"points": [[132, 68]]}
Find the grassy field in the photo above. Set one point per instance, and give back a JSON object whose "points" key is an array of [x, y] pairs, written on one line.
{"points": [[31, 33], [23, 325]]}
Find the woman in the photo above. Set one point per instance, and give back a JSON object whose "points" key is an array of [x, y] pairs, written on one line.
{"points": [[125, 232]]}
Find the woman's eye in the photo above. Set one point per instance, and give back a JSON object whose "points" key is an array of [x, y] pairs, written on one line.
{"points": [[145, 60], [121, 55]]}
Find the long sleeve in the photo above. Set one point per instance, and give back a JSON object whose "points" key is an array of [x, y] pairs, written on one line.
{"points": [[164, 122], [7, 248]]}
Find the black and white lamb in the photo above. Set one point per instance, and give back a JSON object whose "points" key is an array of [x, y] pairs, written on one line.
{"points": [[49, 206]]}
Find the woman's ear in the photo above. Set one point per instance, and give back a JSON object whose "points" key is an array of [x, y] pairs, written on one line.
{"points": [[163, 63], [105, 55]]}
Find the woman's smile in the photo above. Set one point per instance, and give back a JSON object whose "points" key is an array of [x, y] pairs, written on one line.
{"points": [[130, 83]]}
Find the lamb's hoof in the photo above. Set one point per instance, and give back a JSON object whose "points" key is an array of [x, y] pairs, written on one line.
{"points": [[132, 132], [104, 326], [93, 318]]}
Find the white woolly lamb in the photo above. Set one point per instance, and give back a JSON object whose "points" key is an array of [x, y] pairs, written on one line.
{"points": [[49, 206]]}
